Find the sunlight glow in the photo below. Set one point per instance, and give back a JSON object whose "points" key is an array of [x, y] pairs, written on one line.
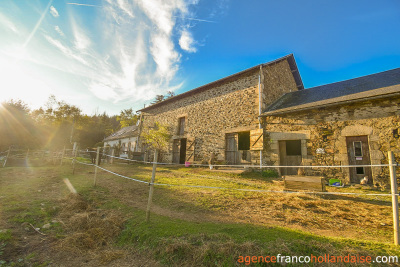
{"points": [[18, 80]]}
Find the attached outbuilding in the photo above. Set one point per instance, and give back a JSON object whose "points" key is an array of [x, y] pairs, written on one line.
{"points": [[123, 141], [353, 122]]}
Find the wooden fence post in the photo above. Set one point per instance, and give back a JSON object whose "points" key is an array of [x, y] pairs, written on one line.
{"points": [[112, 156], [395, 200], [8, 155], [62, 156], [74, 160], [153, 177], [97, 164], [27, 154]]}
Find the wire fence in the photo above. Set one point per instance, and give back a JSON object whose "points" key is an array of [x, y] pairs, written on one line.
{"points": [[236, 189], [92, 158]]}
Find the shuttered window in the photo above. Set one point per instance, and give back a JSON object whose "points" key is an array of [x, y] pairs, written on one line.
{"points": [[181, 126]]}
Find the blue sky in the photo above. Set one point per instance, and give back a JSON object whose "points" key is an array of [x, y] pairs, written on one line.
{"points": [[109, 55]]}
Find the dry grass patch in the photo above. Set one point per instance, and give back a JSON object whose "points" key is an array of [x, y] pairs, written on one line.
{"points": [[88, 228]]}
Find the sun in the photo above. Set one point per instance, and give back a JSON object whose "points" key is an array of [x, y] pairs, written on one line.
{"points": [[20, 81]]}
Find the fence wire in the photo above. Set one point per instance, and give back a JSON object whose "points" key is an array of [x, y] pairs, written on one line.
{"points": [[252, 166], [240, 189]]}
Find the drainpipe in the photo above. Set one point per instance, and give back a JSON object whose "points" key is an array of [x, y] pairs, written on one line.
{"points": [[259, 108], [139, 133]]}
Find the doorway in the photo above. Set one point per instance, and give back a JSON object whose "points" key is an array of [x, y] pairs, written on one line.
{"points": [[358, 153], [182, 154], [290, 155], [179, 151], [237, 148]]}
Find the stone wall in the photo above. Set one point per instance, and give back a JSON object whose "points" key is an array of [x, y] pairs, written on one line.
{"points": [[376, 119], [228, 107]]}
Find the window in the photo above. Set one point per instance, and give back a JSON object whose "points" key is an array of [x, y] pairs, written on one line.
{"points": [[181, 126], [244, 141], [293, 148], [357, 149], [360, 170]]}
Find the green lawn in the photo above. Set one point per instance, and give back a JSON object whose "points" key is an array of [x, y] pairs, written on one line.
{"points": [[188, 226]]}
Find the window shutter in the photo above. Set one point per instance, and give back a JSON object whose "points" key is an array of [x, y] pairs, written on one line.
{"points": [[190, 143], [256, 139]]}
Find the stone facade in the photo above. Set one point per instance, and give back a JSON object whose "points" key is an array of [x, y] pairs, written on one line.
{"points": [[326, 129], [210, 122], [230, 105]]}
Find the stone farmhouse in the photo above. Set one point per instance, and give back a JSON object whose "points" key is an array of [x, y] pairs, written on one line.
{"points": [[220, 117], [263, 115]]}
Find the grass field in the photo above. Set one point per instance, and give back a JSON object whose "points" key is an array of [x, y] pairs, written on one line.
{"points": [[42, 224]]}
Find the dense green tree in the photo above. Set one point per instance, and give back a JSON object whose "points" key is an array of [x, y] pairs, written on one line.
{"points": [[55, 125], [17, 127], [127, 117], [158, 99], [157, 137]]}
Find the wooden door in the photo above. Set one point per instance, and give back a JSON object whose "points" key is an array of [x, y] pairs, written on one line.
{"points": [[290, 155], [358, 153], [231, 149], [176, 147]]}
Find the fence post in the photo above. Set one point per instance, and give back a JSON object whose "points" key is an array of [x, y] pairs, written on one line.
{"points": [[62, 156], [395, 200], [8, 154], [153, 177], [112, 156], [95, 166], [74, 160], [27, 154]]}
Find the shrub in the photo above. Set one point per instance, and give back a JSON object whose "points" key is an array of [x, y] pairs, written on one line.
{"points": [[270, 173]]}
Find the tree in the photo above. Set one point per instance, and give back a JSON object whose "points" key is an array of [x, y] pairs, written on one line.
{"points": [[127, 117], [157, 137], [16, 126], [170, 94], [158, 99]]}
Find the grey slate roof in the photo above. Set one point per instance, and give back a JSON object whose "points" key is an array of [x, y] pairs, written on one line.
{"points": [[371, 86], [123, 133]]}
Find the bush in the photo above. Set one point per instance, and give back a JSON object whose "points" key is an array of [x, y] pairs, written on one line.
{"points": [[270, 173]]}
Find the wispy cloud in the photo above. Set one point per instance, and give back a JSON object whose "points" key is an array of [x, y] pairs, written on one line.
{"points": [[186, 41], [195, 19], [131, 54], [60, 32], [54, 12], [144, 60], [67, 51], [37, 24], [8, 23], [78, 4], [81, 40]]}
